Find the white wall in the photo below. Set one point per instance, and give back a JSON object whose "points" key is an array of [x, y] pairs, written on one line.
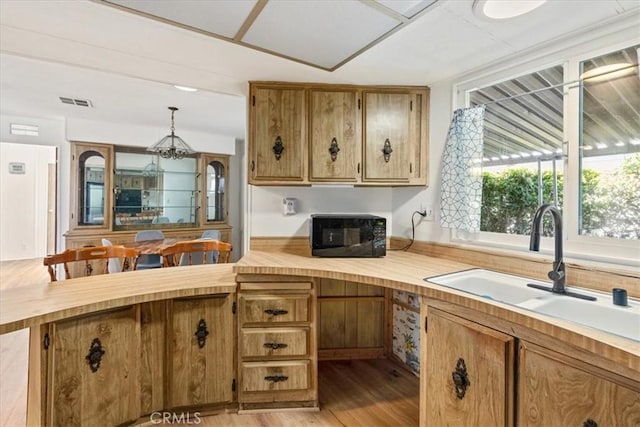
{"points": [[58, 133], [23, 200], [267, 218], [144, 136], [407, 200]]}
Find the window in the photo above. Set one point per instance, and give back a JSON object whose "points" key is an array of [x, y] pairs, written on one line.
{"points": [[610, 146], [522, 154], [567, 134]]}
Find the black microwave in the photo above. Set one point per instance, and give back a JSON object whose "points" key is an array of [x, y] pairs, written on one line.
{"points": [[335, 235]]}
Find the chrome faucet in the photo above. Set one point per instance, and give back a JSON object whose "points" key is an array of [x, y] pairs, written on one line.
{"points": [[557, 275]]}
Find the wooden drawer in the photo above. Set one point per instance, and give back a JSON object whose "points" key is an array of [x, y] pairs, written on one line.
{"points": [[276, 376], [274, 308], [274, 342]]}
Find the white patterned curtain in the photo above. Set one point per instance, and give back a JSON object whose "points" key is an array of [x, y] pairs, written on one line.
{"points": [[461, 196]]}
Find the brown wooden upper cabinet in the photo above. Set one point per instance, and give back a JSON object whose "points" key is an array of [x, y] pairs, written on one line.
{"points": [[278, 119], [334, 139], [306, 133]]}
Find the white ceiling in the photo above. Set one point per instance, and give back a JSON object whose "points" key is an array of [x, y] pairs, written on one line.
{"points": [[125, 63]]}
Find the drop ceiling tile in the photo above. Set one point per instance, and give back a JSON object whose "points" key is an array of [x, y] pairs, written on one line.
{"points": [[314, 33], [222, 17], [407, 8]]}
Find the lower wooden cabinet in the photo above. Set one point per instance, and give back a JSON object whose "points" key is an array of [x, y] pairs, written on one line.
{"points": [[277, 361], [201, 351], [555, 390], [94, 362], [117, 367], [469, 373]]}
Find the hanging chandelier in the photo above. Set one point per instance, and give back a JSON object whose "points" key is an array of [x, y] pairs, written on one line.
{"points": [[171, 146]]}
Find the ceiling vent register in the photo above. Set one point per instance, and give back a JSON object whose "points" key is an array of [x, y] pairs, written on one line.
{"points": [[78, 102]]}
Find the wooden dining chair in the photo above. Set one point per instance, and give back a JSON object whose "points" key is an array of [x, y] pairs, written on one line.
{"points": [[87, 255], [194, 252]]}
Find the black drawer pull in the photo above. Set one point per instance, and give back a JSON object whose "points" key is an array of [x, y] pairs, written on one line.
{"points": [[275, 345], [276, 378], [275, 311]]}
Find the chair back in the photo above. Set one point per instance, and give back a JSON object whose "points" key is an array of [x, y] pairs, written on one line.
{"points": [[114, 266], [89, 254], [149, 235], [187, 251]]}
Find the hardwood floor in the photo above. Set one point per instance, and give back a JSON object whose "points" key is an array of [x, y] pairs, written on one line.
{"points": [[366, 393]]}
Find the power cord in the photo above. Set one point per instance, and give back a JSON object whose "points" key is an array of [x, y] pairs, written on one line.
{"points": [[413, 230]]}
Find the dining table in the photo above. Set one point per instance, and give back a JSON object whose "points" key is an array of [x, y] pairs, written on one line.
{"points": [[151, 247]]}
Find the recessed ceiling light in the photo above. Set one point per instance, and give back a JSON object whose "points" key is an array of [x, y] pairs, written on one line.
{"points": [[501, 9], [608, 72], [185, 88]]}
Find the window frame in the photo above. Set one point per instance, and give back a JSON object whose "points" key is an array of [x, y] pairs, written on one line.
{"points": [[605, 250]]}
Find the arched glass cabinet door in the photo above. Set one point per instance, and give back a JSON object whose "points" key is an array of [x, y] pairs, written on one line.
{"points": [[91, 165], [91, 189], [216, 189]]}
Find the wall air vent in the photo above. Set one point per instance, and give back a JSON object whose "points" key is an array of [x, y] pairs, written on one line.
{"points": [[25, 130], [78, 102]]}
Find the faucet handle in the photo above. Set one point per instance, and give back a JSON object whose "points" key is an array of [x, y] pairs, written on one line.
{"points": [[555, 275]]}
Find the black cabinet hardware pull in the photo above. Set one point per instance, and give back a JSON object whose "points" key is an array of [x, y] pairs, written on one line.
{"points": [[201, 333], [461, 378], [275, 311], [334, 149], [278, 148], [276, 378], [275, 345], [589, 423], [94, 357], [386, 151]]}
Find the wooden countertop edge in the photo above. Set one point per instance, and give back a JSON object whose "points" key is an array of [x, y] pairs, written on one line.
{"points": [[69, 298]]}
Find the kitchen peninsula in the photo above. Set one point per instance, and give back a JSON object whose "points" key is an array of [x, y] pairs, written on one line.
{"points": [[196, 305]]}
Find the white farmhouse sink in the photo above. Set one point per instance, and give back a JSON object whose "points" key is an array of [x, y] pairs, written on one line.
{"points": [[601, 314], [490, 284]]}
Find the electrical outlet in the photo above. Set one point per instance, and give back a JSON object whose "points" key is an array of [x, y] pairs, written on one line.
{"points": [[289, 206], [428, 211]]}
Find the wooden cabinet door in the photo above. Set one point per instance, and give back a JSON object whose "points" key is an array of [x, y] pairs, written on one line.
{"points": [[334, 126], [555, 390], [278, 134], [469, 373], [201, 372], [105, 391], [386, 130]]}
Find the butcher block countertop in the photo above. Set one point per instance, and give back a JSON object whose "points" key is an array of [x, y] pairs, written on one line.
{"points": [[33, 305], [28, 306]]}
